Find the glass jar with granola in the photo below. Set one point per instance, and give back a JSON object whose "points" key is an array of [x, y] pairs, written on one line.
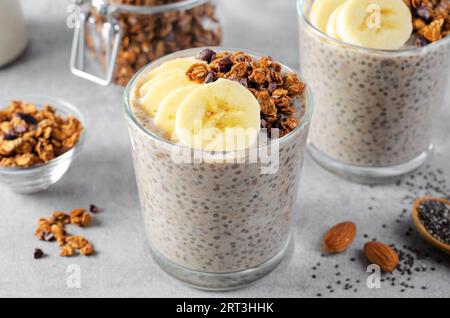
{"points": [[124, 35]]}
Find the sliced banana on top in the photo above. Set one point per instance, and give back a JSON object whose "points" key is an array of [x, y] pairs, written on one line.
{"points": [[220, 116], [331, 25], [321, 11], [167, 112], [157, 77], [161, 88], [376, 24], [179, 64]]}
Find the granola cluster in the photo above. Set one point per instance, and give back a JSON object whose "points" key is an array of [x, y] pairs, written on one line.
{"points": [[275, 90], [148, 37], [29, 136], [431, 19], [54, 229]]}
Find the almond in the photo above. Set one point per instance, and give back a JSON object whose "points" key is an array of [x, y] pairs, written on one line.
{"points": [[339, 237], [382, 255]]}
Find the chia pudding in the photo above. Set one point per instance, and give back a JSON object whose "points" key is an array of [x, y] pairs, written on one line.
{"points": [[213, 224], [374, 108]]}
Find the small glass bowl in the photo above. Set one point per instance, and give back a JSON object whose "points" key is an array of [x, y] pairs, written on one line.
{"points": [[40, 177]]}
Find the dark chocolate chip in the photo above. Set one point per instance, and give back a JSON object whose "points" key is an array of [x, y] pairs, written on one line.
{"points": [[272, 86], [421, 41], [29, 119], [210, 77], [225, 64], [423, 12], [244, 82], [38, 253], [10, 137], [206, 55]]}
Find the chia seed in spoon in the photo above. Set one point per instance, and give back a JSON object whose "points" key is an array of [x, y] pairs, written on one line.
{"points": [[435, 216]]}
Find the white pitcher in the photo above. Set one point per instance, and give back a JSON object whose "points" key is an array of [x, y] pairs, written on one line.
{"points": [[13, 35]]}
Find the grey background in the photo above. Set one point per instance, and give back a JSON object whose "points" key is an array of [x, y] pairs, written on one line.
{"points": [[103, 174]]}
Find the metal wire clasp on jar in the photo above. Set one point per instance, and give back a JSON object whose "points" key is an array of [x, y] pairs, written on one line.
{"points": [[124, 35]]}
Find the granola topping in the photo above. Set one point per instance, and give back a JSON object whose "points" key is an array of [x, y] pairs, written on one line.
{"points": [[53, 229], [29, 136], [275, 91], [431, 19]]}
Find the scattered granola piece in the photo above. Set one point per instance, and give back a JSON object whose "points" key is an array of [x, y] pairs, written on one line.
{"points": [[77, 242], [87, 250], [62, 217], [53, 228], [80, 217], [45, 224], [66, 251], [58, 230]]}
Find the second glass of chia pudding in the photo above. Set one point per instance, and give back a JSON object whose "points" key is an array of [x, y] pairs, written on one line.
{"points": [[217, 213], [379, 72]]}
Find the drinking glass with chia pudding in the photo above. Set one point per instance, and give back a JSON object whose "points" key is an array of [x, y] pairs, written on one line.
{"points": [[374, 107], [217, 219]]}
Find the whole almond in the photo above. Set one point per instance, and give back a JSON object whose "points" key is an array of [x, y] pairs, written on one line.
{"points": [[382, 255], [339, 237]]}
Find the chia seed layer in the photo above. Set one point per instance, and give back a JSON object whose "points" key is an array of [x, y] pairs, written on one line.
{"points": [[373, 108], [215, 217]]}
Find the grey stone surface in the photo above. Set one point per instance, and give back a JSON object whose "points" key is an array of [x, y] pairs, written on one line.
{"points": [[103, 174]]}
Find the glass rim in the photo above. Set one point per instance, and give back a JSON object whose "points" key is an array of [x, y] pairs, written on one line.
{"points": [[305, 120], [177, 6], [301, 13], [57, 104]]}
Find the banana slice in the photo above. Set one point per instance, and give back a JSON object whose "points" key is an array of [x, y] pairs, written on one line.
{"points": [[157, 77], [220, 116], [181, 63], [165, 69], [161, 88], [331, 26], [376, 24], [167, 112], [321, 11]]}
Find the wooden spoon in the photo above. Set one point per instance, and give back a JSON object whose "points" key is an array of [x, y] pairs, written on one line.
{"points": [[421, 228]]}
